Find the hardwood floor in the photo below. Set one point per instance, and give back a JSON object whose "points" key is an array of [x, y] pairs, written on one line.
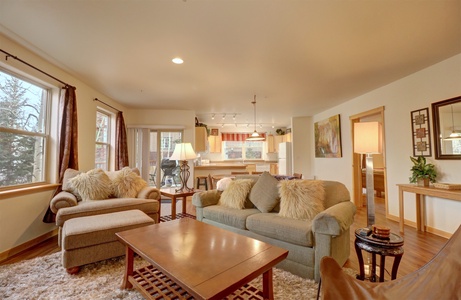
{"points": [[420, 247]]}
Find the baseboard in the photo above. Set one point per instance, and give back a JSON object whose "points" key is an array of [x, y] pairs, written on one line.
{"points": [[20, 248], [427, 228]]}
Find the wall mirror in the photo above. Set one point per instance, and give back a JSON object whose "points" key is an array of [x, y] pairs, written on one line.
{"points": [[446, 115]]}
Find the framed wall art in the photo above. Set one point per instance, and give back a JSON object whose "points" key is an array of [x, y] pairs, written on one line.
{"points": [[328, 137], [420, 128]]}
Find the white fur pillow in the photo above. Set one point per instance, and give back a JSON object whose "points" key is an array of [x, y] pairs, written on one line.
{"points": [[223, 183], [127, 184], [301, 199], [235, 195], [92, 185]]}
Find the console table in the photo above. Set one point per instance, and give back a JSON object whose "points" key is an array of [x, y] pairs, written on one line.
{"points": [[420, 207]]}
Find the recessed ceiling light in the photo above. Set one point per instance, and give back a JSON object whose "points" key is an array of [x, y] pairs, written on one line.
{"points": [[177, 60]]}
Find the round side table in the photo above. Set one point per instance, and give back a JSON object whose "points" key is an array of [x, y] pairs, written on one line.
{"points": [[392, 246]]}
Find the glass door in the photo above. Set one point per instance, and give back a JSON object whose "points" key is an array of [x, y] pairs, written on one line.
{"points": [[162, 171]]}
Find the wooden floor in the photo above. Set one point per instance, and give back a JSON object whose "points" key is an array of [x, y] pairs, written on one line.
{"points": [[420, 247]]}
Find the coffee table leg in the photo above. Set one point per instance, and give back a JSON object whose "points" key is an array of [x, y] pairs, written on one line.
{"points": [[268, 291], [128, 268]]}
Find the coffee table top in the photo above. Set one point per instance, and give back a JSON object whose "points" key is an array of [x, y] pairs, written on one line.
{"points": [[208, 261]]}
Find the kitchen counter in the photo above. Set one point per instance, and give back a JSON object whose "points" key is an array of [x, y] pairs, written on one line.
{"points": [[221, 166]]}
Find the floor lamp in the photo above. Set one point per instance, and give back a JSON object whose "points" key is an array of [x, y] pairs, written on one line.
{"points": [[368, 141], [183, 152]]}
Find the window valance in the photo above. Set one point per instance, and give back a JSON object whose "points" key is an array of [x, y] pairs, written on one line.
{"points": [[237, 136]]}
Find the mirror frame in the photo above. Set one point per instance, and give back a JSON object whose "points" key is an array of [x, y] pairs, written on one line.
{"points": [[436, 122]]}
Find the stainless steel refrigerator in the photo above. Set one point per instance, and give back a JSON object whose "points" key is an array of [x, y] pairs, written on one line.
{"points": [[285, 160]]}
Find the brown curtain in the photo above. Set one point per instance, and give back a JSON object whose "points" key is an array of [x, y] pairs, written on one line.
{"points": [[121, 145], [68, 140]]}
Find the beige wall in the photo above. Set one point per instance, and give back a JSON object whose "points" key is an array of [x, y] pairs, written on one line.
{"points": [[438, 82], [303, 155]]}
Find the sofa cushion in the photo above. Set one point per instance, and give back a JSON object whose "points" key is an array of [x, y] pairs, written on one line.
{"points": [[271, 225], [67, 186], [229, 216], [301, 199], [223, 183], [127, 184], [92, 185], [236, 193], [265, 193]]}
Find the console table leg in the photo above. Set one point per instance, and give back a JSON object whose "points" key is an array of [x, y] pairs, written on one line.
{"points": [[373, 268], [395, 266], [382, 268], [128, 268], [361, 276], [268, 291]]}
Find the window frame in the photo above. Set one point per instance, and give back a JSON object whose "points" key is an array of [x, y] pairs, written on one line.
{"points": [[244, 148], [45, 134], [108, 143]]}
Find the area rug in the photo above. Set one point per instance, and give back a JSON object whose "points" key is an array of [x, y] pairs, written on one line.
{"points": [[45, 278]]}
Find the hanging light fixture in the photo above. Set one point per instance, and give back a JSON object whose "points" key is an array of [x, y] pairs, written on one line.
{"points": [[255, 136], [454, 135]]}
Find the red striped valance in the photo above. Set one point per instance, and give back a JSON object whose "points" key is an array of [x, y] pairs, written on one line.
{"points": [[237, 136]]}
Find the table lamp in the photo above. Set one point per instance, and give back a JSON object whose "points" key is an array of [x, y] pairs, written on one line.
{"points": [[183, 152], [368, 141]]}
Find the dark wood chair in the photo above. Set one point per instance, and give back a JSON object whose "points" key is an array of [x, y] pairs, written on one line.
{"points": [[298, 175]]}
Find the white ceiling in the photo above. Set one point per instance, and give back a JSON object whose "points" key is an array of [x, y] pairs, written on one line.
{"points": [[298, 57]]}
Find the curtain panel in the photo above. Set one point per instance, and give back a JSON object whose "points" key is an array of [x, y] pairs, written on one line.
{"points": [[68, 140], [237, 136], [121, 143]]}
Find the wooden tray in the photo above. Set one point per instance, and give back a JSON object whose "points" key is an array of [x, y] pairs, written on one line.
{"points": [[447, 186]]}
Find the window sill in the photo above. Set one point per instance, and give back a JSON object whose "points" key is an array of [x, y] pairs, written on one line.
{"points": [[5, 194]]}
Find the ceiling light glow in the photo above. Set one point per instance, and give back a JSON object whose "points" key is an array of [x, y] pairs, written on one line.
{"points": [[177, 60]]}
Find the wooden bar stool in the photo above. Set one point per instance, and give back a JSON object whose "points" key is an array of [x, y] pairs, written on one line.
{"points": [[202, 181]]}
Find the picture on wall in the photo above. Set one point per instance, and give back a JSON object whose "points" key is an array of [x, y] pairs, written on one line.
{"points": [[421, 132], [328, 137]]}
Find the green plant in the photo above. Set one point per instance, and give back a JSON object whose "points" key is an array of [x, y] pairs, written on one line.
{"points": [[422, 170]]}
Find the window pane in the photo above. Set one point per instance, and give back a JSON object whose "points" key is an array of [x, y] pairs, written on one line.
{"points": [[254, 150], [102, 127], [233, 150], [22, 104], [102, 155], [21, 159]]}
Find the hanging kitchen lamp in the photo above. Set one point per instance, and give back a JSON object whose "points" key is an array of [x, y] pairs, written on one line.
{"points": [[255, 136]]}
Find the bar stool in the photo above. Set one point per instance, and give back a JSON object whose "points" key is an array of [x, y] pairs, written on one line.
{"points": [[202, 181]]}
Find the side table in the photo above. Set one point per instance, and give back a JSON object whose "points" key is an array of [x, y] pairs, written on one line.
{"points": [[173, 195], [384, 247]]}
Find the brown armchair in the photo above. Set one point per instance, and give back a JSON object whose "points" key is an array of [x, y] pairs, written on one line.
{"points": [[440, 278]]}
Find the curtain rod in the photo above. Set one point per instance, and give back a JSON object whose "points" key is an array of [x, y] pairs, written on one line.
{"points": [[96, 99], [35, 68]]}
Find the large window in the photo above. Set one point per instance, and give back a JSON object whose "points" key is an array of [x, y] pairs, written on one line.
{"points": [[242, 150], [23, 130], [102, 140]]}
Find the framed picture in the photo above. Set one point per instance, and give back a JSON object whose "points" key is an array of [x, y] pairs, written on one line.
{"points": [[214, 131], [328, 137], [420, 128]]}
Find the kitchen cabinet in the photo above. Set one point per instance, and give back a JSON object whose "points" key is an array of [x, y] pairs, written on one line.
{"points": [[215, 143], [200, 139], [274, 169], [287, 137], [270, 144]]}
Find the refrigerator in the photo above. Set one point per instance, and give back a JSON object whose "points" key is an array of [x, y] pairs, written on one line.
{"points": [[284, 158]]}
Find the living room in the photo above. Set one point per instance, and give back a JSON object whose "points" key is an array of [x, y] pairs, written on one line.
{"points": [[21, 212]]}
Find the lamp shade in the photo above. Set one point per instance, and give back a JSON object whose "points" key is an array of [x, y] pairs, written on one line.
{"points": [[367, 137], [183, 151]]}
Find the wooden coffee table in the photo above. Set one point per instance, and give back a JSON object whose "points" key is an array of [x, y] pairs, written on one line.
{"points": [[194, 260]]}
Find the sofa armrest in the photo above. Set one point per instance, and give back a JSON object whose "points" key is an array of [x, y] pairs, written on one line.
{"points": [[149, 193], [61, 200], [335, 219], [206, 198]]}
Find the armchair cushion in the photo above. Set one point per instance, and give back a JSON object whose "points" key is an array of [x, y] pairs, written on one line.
{"points": [[92, 185], [301, 199]]}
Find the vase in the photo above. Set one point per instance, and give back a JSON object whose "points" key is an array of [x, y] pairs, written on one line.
{"points": [[423, 182]]}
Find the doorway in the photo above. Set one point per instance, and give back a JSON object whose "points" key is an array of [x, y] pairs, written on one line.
{"points": [[379, 161]]}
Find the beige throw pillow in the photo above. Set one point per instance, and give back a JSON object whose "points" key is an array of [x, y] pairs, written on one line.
{"points": [[301, 199], [127, 184], [236, 193], [265, 193], [92, 185]]}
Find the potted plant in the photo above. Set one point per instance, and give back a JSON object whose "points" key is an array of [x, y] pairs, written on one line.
{"points": [[422, 172]]}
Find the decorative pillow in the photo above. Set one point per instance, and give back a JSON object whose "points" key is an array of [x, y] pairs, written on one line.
{"points": [[301, 199], [66, 186], [127, 184], [92, 185], [223, 183], [236, 193], [265, 193]]}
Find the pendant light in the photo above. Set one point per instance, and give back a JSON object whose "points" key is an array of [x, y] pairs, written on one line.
{"points": [[454, 135], [255, 136]]}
